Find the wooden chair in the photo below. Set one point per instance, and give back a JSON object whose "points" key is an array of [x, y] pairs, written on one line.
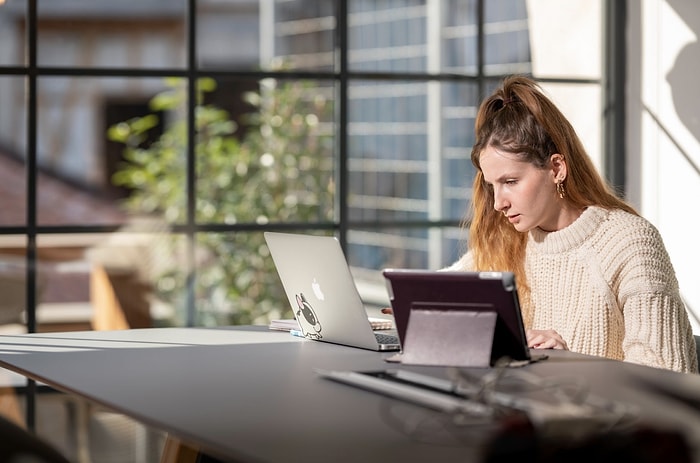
{"points": [[176, 451], [119, 300]]}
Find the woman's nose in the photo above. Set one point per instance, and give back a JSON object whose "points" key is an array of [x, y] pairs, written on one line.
{"points": [[499, 202]]}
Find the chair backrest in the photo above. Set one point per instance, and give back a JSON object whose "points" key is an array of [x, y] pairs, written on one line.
{"points": [[13, 289], [18, 444]]}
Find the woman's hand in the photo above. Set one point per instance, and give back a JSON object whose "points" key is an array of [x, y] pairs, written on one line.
{"points": [[545, 339], [537, 339]]}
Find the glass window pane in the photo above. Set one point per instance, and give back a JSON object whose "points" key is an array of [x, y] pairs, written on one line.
{"points": [[124, 34], [13, 283], [371, 250], [506, 37], [273, 159], [304, 36], [566, 38], [235, 281], [12, 28], [269, 34], [229, 34], [239, 284], [87, 128], [409, 161], [459, 106], [459, 36], [13, 135], [387, 36], [63, 282], [138, 274], [409, 150], [388, 151], [582, 104]]}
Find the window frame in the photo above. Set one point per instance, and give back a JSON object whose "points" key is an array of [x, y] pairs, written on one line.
{"points": [[612, 82]]}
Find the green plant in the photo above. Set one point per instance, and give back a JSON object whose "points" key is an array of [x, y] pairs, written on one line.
{"points": [[280, 169]]}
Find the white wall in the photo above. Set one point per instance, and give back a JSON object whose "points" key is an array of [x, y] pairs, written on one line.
{"points": [[664, 130]]}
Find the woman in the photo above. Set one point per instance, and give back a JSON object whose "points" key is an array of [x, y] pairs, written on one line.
{"points": [[594, 277]]}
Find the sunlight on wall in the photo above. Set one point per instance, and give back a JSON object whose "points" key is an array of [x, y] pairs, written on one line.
{"points": [[670, 134]]}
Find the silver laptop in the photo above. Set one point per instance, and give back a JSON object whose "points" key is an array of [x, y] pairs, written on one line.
{"points": [[322, 292]]}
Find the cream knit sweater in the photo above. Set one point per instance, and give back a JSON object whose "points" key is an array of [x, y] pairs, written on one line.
{"points": [[606, 284]]}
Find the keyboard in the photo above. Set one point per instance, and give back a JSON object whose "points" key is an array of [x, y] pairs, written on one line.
{"points": [[386, 337]]}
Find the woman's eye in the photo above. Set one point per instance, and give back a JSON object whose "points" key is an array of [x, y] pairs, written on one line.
{"points": [[510, 182]]}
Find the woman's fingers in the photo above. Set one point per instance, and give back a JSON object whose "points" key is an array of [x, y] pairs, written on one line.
{"points": [[545, 339]]}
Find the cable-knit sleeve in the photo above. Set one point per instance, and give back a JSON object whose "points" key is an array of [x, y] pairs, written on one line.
{"points": [[657, 329], [464, 264]]}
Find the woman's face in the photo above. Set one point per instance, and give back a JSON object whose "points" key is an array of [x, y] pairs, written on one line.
{"points": [[524, 193]]}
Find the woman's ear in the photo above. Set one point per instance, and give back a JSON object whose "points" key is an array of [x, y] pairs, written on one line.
{"points": [[559, 167]]}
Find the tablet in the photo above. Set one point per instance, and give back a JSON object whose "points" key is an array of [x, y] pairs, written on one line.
{"points": [[482, 294]]}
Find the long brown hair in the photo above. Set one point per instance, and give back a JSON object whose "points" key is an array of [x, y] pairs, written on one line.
{"points": [[519, 119]]}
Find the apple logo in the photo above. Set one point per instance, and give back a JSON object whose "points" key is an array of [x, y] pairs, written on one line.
{"points": [[317, 290]]}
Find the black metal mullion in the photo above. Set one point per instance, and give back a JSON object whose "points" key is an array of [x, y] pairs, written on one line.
{"points": [[480, 50], [614, 112], [31, 207], [342, 114], [191, 164]]}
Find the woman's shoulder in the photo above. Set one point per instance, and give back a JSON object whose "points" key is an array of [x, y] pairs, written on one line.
{"points": [[631, 225], [464, 264], [633, 246], [626, 234]]}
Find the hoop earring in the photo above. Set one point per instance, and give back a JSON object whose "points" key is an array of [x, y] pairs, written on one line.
{"points": [[560, 189]]}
